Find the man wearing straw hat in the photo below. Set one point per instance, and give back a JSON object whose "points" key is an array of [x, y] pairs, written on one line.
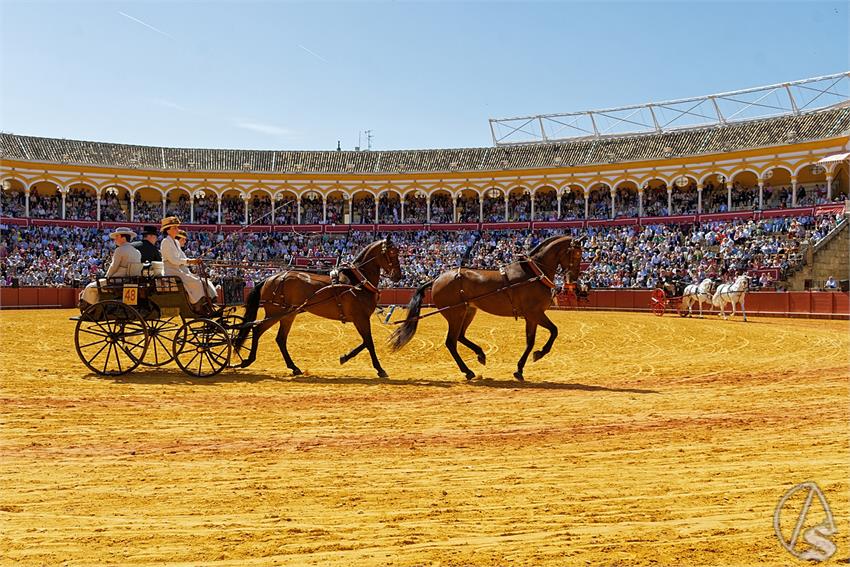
{"points": [[177, 264], [124, 255]]}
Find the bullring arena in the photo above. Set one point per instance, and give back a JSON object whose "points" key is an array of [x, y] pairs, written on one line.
{"points": [[641, 439], [638, 440]]}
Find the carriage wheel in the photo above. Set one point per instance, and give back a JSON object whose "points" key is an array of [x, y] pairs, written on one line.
{"points": [[202, 348], [111, 338], [233, 324], [162, 333], [658, 308]]}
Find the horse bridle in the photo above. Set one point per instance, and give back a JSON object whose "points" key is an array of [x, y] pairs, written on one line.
{"points": [[538, 271], [361, 279]]}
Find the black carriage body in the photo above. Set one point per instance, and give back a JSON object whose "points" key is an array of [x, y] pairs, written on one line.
{"points": [[154, 311]]}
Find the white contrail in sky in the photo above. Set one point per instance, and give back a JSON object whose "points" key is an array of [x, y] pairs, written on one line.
{"points": [[314, 54], [264, 128], [137, 20]]}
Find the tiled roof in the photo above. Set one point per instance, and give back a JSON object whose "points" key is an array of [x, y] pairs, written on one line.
{"points": [[822, 124]]}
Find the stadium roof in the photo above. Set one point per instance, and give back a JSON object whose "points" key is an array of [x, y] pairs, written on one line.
{"points": [[783, 130], [769, 101]]}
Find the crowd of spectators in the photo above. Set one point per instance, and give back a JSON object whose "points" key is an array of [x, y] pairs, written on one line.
{"points": [[363, 210], [45, 206], [415, 208], [81, 204], [389, 208], [546, 205], [617, 257], [206, 209], [519, 206], [494, 209]]}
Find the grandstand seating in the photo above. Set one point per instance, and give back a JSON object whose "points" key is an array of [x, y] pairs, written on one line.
{"points": [[625, 256]]}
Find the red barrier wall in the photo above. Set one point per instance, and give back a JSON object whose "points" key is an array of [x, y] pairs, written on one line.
{"points": [[771, 303]]}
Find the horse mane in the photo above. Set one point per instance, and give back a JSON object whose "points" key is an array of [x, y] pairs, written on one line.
{"points": [[366, 249], [545, 243]]}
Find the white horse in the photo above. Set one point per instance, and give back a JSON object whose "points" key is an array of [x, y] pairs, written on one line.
{"points": [[732, 293], [698, 294]]}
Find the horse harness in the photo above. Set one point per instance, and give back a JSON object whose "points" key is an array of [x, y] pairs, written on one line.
{"points": [[539, 275], [336, 285]]}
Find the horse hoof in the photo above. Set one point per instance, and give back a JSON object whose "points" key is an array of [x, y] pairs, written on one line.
{"points": [[518, 376], [482, 359], [382, 374], [538, 354], [297, 372], [470, 375]]}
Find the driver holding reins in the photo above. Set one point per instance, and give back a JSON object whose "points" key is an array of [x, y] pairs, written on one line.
{"points": [[177, 264]]}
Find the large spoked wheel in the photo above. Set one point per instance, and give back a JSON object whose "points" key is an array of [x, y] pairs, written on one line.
{"points": [[111, 338], [233, 325], [202, 348], [657, 301], [162, 333]]}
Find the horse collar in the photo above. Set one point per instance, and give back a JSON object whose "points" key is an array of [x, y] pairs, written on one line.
{"points": [[362, 279], [539, 273]]}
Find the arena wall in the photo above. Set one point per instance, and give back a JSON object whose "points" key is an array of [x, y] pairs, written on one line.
{"points": [[816, 304]]}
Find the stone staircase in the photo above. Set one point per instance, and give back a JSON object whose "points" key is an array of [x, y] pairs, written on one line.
{"points": [[829, 257]]}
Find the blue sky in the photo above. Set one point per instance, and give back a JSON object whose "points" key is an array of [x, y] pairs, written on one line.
{"points": [[302, 75]]}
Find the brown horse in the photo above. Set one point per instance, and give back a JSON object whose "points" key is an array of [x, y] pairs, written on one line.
{"points": [[521, 289], [350, 295]]}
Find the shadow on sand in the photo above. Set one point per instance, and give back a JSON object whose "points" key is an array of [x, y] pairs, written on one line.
{"points": [[173, 376]]}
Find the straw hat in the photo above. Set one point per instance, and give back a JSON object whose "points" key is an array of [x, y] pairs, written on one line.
{"points": [[123, 231], [168, 222], [182, 234]]}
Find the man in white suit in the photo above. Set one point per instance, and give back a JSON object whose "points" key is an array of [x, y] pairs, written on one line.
{"points": [[124, 255], [177, 264]]}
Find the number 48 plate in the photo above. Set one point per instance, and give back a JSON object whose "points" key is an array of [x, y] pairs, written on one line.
{"points": [[131, 294]]}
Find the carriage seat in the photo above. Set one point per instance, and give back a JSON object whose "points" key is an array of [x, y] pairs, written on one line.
{"points": [[135, 269], [153, 269]]}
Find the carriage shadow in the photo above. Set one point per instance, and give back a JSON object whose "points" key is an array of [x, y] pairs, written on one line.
{"points": [[174, 376]]}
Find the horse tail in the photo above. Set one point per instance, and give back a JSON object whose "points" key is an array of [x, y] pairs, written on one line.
{"points": [[252, 305], [403, 334]]}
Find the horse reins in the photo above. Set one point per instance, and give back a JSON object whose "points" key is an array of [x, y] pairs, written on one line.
{"points": [[539, 276]]}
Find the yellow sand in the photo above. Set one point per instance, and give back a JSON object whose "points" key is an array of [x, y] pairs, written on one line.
{"points": [[638, 440]]}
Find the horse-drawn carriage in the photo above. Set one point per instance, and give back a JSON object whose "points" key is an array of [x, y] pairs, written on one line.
{"points": [[147, 320], [666, 299]]}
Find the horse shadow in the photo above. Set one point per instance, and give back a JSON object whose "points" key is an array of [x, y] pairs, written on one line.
{"points": [[477, 383]]}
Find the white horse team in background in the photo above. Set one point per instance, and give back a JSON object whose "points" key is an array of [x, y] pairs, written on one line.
{"points": [[698, 293], [732, 293]]}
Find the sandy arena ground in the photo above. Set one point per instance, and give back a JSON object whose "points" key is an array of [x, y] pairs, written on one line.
{"points": [[639, 440]]}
